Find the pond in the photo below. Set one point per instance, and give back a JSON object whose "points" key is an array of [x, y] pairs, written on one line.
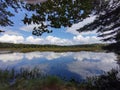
{"points": [[77, 65]]}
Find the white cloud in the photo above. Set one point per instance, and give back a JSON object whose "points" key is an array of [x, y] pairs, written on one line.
{"points": [[32, 40], [11, 32], [28, 28], [79, 39], [86, 40], [74, 27], [47, 40], [11, 38], [58, 41]]}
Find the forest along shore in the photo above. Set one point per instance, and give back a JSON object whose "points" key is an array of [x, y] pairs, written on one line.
{"points": [[10, 47]]}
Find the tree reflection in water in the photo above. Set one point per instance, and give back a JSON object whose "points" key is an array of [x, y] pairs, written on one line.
{"points": [[108, 81]]}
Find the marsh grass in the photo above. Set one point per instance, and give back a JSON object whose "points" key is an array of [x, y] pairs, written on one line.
{"points": [[34, 80], [108, 81]]}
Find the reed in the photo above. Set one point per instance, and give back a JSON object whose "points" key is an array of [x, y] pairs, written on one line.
{"points": [[34, 80]]}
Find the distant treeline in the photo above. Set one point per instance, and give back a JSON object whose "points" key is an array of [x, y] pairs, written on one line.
{"points": [[36, 47], [11, 45]]}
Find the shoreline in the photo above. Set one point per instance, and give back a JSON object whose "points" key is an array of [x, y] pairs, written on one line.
{"points": [[25, 50], [7, 47], [5, 51]]}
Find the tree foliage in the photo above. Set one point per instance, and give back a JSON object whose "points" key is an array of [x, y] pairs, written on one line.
{"points": [[52, 13], [57, 14], [5, 13], [64, 13], [107, 22]]}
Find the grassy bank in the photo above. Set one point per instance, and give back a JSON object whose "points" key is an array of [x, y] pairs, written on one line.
{"points": [[55, 48], [32, 80]]}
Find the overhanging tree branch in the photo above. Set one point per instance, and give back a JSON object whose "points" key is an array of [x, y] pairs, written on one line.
{"points": [[107, 22]]}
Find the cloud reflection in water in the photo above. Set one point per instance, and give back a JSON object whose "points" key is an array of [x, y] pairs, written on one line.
{"points": [[74, 63], [92, 63]]}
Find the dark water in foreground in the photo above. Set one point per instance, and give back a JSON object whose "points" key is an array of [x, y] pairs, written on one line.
{"points": [[77, 65]]}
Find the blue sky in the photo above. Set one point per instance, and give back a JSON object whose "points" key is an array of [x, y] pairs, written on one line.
{"points": [[20, 33]]}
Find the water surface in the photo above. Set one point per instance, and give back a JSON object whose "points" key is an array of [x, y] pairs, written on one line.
{"points": [[77, 65]]}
